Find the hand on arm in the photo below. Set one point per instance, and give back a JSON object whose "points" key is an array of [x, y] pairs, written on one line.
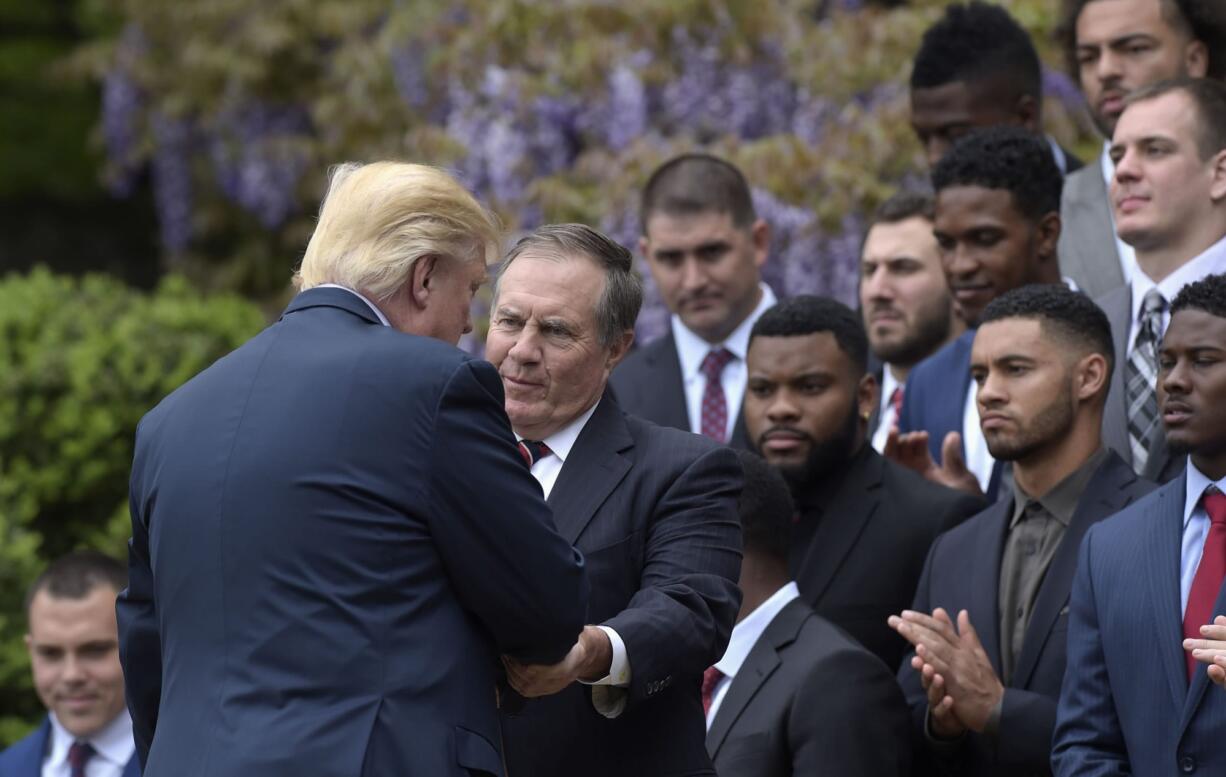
{"points": [[911, 451], [588, 660], [1211, 649]]}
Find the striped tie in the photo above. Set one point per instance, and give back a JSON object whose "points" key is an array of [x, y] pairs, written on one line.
{"points": [[1141, 376]]}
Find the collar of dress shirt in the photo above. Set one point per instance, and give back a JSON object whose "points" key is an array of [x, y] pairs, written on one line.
{"points": [[114, 742], [1108, 168], [1211, 262], [692, 349], [888, 384], [1195, 486], [561, 441], [1061, 501], [1058, 155], [746, 633], [370, 304]]}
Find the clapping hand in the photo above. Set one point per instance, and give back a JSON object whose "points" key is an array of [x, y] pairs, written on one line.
{"points": [[911, 451], [1211, 649]]}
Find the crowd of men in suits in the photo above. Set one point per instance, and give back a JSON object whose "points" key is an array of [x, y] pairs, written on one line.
{"points": [[976, 527]]}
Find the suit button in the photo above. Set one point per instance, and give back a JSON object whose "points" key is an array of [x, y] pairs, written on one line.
{"points": [[1187, 764]]}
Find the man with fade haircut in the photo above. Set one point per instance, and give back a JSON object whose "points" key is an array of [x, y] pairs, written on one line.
{"points": [[74, 654], [1169, 198], [977, 67], [1114, 48], [705, 246], [905, 300], [1137, 696], [990, 612], [997, 224], [864, 524]]}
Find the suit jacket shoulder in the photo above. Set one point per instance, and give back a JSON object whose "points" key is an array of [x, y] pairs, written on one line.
{"points": [[1087, 248], [944, 508], [649, 384], [936, 391], [24, 758]]}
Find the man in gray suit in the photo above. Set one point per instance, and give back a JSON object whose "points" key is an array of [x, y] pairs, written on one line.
{"points": [[1114, 48], [1169, 199]]}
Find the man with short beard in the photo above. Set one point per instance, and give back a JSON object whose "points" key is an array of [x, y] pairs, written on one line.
{"points": [[983, 694], [905, 300], [864, 524]]}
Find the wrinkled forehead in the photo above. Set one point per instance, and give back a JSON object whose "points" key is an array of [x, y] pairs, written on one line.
{"points": [[546, 281]]}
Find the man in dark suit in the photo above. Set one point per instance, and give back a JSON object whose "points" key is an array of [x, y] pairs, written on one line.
{"points": [[1115, 47], [330, 524], [794, 695], [1134, 700], [977, 67], [652, 508], [705, 247], [905, 300], [74, 654], [864, 523], [983, 694], [1171, 207], [997, 223]]}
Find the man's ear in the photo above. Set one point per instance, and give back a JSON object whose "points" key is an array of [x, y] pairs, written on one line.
{"points": [[1092, 376], [425, 272], [1048, 234], [1217, 190], [1196, 59], [619, 349], [868, 395], [760, 234], [1027, 110]]}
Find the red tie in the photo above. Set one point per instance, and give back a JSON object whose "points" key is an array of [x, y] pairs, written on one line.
{"points": [[896, 402], [533, 451], [78, 754], [1209, 573], [710, 679], [714, 404]]}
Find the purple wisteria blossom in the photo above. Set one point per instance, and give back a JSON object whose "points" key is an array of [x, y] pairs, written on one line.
{"points": [[256, 161], [172, 180]]}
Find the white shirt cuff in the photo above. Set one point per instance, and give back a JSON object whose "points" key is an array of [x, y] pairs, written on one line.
{"points": [[619, 666]]}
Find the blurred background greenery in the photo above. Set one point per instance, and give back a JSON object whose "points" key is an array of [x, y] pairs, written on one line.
{"points": [[161, 162]]}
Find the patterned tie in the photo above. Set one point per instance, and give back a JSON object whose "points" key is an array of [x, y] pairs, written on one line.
{"points": [[1209, 573], [714, 404], [1141, 376], [533, 451], [896, 403], [710, 679], [78, 754]]}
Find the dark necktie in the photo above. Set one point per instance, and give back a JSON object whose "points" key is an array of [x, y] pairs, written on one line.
{"points": [[79, 754], [1141, 380], [710, 679], [1209, 573], [714, 403], [533, 451]]}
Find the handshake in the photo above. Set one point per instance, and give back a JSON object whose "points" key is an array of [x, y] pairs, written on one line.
{"points": [[588, 660]]}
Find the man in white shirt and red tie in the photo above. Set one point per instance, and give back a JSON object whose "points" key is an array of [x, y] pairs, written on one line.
{"points": [[905, 300], [74, 653], [705, 247]]}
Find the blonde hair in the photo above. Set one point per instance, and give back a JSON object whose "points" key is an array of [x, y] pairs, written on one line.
{"points": [[378, 219]]}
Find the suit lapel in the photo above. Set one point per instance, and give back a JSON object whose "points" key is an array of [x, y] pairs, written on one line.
{"points": [[1104, 495], [670, 393], [133, 767], [984, 607], [760, 664], [1118, 307], [1200, 679], [1165, 538], [1088, 211], [841, 523], [592, 470]]}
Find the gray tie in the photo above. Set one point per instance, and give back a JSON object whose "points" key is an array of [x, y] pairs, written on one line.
{"points": [[1141, 375]]}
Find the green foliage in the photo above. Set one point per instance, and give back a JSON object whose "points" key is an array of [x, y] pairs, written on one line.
{"points": [[81, 360]]}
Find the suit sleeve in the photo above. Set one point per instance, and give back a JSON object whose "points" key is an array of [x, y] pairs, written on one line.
{"points": [[493, 530], [679, 621], [1027, 720], [140, 647], [850, 719], [962, 508], [1088, 741]]}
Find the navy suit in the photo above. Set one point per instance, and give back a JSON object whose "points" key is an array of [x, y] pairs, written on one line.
{"points": [[334, 538], [935, 399], [654, 512], [963, 573], [1126, 707], [24, 758], [648, 384]]}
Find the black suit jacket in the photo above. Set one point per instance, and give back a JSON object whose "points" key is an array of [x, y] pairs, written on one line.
{"points": [[860, 543], [330, 528], [963, 572], [654, 512], [648, 384], [809, 700]]}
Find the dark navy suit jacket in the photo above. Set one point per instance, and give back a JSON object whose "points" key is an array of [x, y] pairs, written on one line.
{"points": [[1126, 707], [334, 538], [25, 757], [648, 384], [654, 512], [935, 399], [963, 573]]}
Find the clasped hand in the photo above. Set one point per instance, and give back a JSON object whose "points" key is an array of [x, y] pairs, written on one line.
{"points": [[1211, 649], [588, 659], [954, 669]]}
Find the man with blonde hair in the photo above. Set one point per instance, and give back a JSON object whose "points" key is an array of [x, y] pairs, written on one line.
{"points": [[330, 524]]}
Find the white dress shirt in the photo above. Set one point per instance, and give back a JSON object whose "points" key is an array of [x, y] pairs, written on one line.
{"points": [[978, 458], [546, 471], [1126, 253], [1211, 262], [886, 417], [692, 349], [1195, 529], [113, 749], [745, 635], [371, 305]]}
